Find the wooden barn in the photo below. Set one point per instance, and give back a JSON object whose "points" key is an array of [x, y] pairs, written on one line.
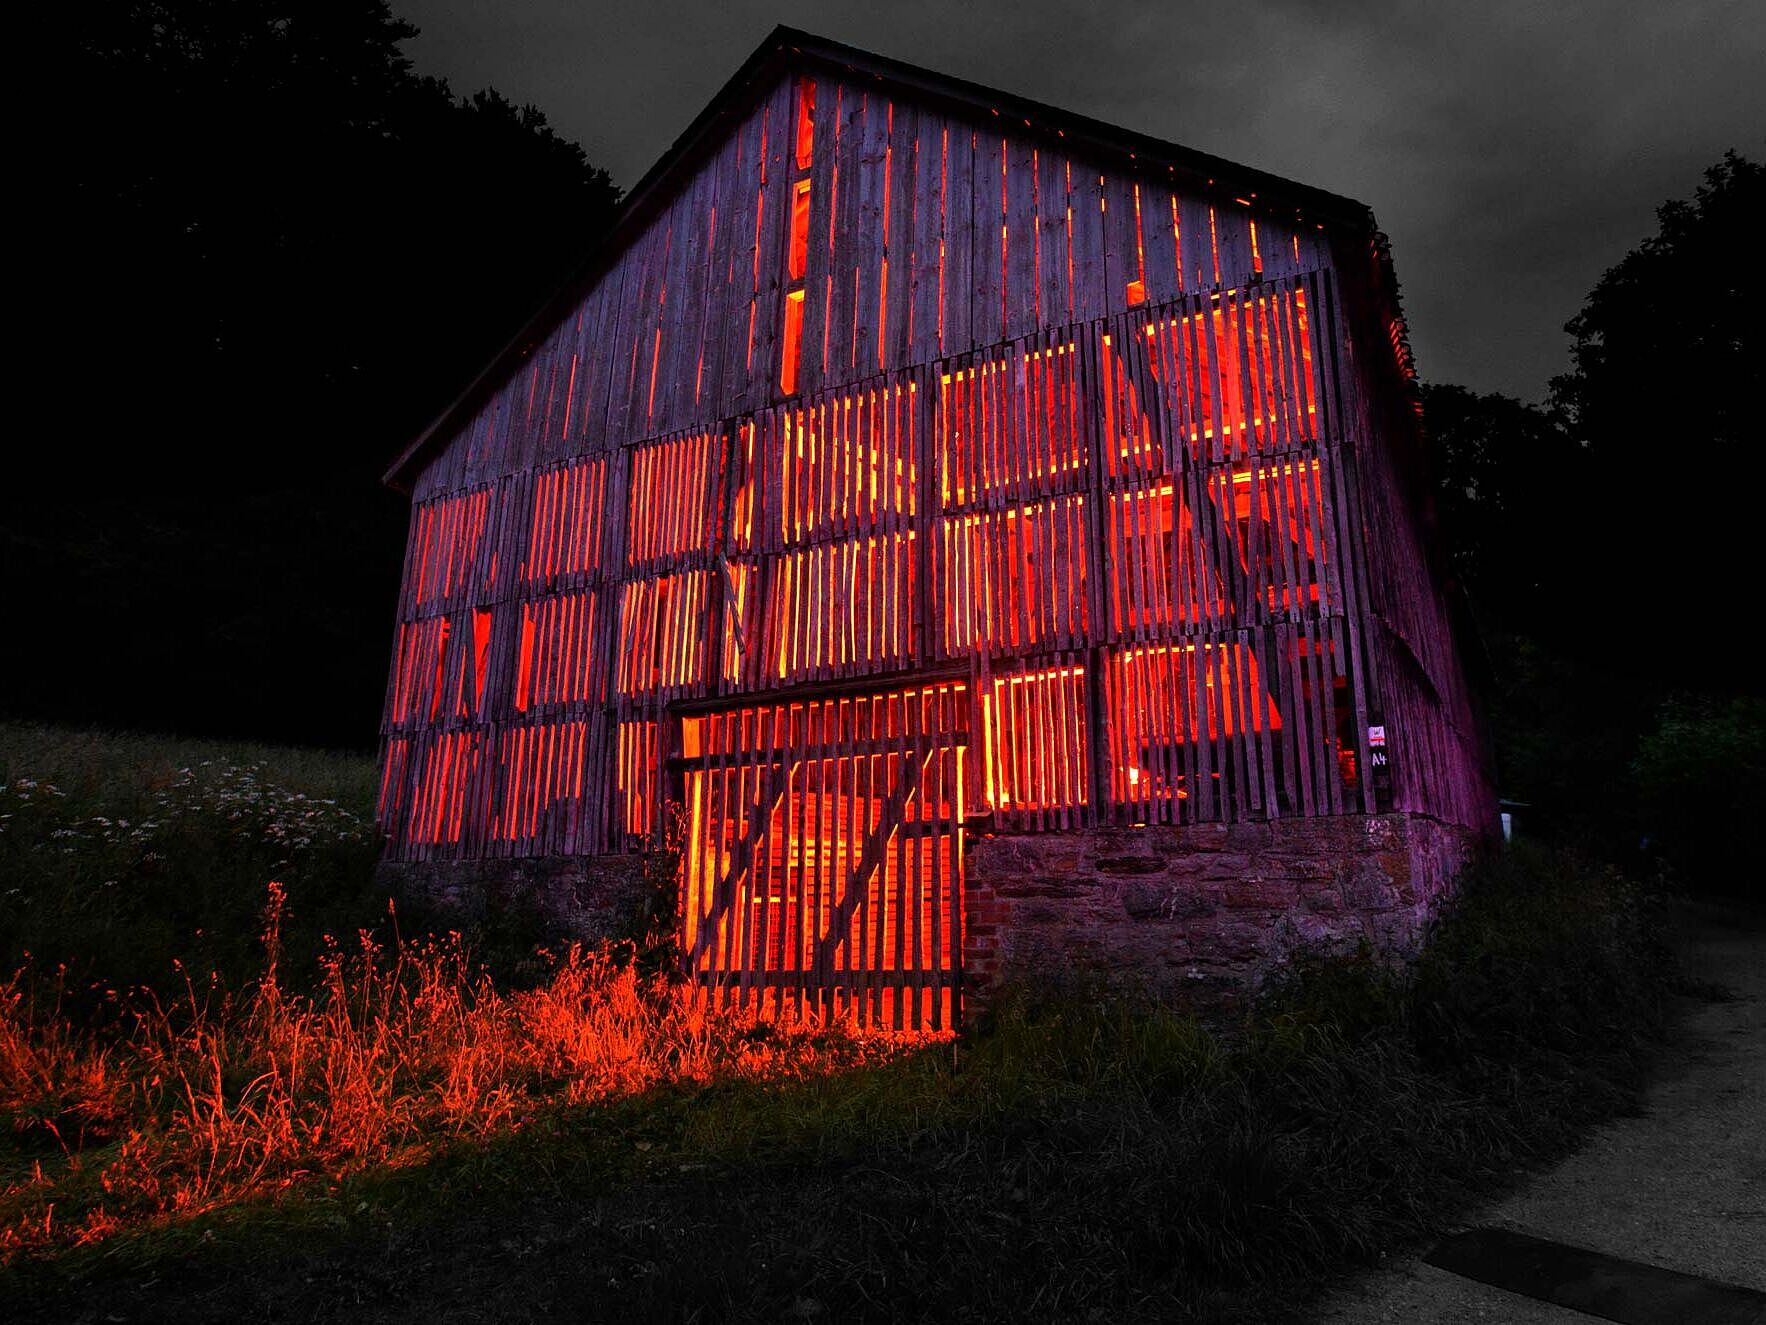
{"points": [[980, 542]]}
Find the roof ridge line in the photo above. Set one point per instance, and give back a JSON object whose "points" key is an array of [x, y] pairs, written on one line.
{"points": [[1143, 154]]}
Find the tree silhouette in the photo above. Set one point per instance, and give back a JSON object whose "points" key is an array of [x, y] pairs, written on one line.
{"points": [[1669, 369], [1501, 469], [1669, 344], [278, 252], [1515, 536], [1604, 541], [315, 242]]}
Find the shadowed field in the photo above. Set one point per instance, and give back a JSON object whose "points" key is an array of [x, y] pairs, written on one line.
{"points": [[382, 1124]]}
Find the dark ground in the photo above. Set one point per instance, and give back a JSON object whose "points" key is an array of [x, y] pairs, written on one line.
{"points": [[1681, 1185]]}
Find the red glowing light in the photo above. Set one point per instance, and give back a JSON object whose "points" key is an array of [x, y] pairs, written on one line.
{"points": [[805, 136], [792, 356]]}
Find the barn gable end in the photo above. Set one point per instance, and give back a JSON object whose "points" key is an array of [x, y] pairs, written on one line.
{"points": [[920, 473]]}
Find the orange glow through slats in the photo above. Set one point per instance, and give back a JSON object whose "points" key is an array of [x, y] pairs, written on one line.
{"points": [[1239, 376], [798, 261], [447, 539], [1036, 745], [637, 761], [542, 770], [565, 528], [805, 137], [662, 623], [555, 662], [1167, 702], [670, 507], [1124, 526], [848, 464], [822, 860], [1014, 579], [1010, 423], [837, 607], [791, 357]]}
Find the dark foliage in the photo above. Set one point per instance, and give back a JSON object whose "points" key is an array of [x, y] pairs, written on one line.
{"points": [[1502, 469], [1700, 772], [1564, 712], [1669, 367], [1669, 344], [1601, 541], [277, 252], [1077, 1161]]}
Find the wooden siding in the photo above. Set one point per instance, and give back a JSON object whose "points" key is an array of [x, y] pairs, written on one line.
{"points": [[928, 237], [823, 858], [1107, 463], [1439, 750]]}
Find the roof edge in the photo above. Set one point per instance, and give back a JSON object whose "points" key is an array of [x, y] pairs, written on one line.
{"points": [[789, 47], [634, 209]]}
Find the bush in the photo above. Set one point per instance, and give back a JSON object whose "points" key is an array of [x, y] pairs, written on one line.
{"points": [[1547, 953], [1701, 777]]}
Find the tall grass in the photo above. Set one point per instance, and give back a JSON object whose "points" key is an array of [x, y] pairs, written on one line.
{"points": [[1075, 1159], [181, 1106], [1068, 1159]]}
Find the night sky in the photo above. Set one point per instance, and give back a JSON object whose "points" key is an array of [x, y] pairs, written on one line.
{"points": [[1513, 151]]}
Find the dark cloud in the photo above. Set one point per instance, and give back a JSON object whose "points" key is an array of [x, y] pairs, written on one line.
{"points": [[1512, 150]]}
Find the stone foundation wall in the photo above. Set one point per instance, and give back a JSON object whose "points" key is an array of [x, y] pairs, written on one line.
{"points": [[1207, 909], [583, 897]]}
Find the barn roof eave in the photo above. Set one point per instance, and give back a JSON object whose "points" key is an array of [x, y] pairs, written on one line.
{"points": [[787, 47]]}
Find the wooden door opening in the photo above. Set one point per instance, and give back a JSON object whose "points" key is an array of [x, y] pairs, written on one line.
{"points": [[823, 855]]}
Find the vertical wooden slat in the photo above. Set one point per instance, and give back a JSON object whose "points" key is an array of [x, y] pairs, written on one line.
{"points": [[957, 276], [926, 270], [759, 384], [986, 319]]}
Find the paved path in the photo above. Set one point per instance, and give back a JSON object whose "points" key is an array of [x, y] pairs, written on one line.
{"points": [[1683, 1186]]}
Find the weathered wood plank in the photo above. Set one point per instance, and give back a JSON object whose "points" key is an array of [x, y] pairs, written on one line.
{"points": [[1019, 247], [1134, 548], [986, 239]]}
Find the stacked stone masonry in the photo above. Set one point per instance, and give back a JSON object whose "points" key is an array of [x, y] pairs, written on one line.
{"points": [[1203, 909], [590, 898], [1193, 912]]}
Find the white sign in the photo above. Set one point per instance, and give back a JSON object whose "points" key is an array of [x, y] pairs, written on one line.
{"points": [[1376, 736]]}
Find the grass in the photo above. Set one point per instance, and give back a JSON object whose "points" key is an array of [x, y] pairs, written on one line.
{"points": [[120, 772], [134, 859], [181, 1109], [1072, 1160], [137, 1087]]}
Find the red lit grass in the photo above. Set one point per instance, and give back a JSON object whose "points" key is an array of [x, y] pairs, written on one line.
{"points": [[179, 1109]]}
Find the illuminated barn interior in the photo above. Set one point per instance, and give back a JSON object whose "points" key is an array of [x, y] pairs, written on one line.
{"points": [[920, 477]]}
